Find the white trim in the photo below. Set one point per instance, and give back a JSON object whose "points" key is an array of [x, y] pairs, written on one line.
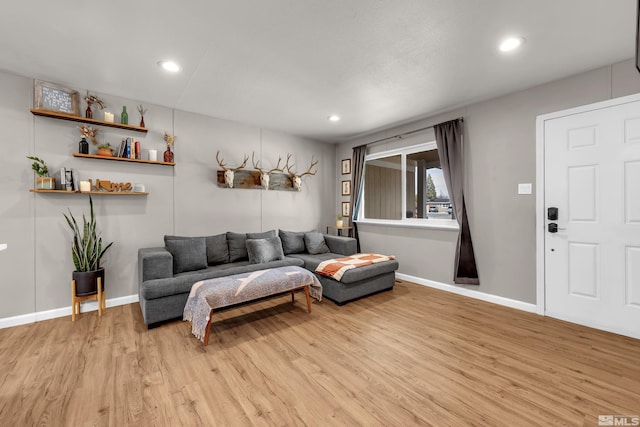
{"points": [[436, 224], [540, 217], [410, 149], [87, 306], [589, 323], [540, 210], [495, 299]]}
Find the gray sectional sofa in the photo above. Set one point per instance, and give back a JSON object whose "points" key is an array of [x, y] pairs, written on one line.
{"points": [[166, 274]]}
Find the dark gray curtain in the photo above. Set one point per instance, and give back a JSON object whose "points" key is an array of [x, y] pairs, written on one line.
{"points": [[357, 175], [450, 150]]}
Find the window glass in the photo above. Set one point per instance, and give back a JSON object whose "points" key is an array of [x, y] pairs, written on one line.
{"points": [[406, 184], [383, 188], [427, 194]]}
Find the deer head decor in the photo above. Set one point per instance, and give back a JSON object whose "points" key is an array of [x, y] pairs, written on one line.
{"points": [[229, 172], [264, 176], [296, 179]]}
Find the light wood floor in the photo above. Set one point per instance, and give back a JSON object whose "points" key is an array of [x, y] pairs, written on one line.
{"points": [[412, 356]]}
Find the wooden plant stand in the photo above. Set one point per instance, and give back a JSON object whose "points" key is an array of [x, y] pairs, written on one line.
{"points": [[76, 300]]}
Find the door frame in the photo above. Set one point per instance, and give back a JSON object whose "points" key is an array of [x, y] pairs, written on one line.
{"points": [[540, 178]]}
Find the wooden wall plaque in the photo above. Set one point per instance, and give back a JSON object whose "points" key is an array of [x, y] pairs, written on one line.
{"points": [[54, 97]]}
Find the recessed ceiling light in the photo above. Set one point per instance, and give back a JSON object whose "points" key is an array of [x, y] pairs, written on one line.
{"points": [[511, 43], [169, 66], [334, 118]]}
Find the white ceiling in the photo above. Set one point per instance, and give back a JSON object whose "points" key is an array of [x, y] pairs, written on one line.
{"points": [[288, 64]]}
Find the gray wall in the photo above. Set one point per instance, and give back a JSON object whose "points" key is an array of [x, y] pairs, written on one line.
{"points": [[35, 271], [500, 142]]}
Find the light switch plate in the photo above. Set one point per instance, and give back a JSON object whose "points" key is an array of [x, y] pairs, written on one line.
{"points": [[525, 188]]}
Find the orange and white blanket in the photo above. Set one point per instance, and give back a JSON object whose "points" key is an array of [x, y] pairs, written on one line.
{"points": [[335, 268]]}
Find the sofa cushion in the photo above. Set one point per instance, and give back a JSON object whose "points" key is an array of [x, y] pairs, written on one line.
{"points": [[237, 246], [217, 249], [263, 235], [292, 242], [264, 250], [188, 254], [182, 283], [315, 244]]}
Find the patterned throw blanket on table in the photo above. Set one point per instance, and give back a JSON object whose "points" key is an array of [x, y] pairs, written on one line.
{"points": [[210, 294], [335, 268]]}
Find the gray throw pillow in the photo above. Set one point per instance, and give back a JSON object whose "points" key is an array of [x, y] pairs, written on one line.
{"points": [[237, 246], [188, 254], [315, 243], [263, 235], [264, 250], [217, 249], [292, 241]]}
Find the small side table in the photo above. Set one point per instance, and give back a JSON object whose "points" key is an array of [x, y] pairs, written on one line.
{"points": [[339, 230]]}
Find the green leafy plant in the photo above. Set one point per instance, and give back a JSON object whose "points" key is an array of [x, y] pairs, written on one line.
{"points": [[87, 248], [339, 217], [105, 145], [39, 166]]}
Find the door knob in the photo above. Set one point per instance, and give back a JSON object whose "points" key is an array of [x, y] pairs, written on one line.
{"points": [[553, 227]]}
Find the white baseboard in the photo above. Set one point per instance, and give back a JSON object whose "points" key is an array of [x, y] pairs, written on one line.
{"points": [[87, 306], [495, 299]]}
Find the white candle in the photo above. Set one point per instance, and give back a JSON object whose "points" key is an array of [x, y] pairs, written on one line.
{"points": [[108, 117], [85, 186], [153, 155]]}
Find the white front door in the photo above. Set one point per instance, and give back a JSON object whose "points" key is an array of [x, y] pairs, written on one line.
{"points": [[592, 177]]}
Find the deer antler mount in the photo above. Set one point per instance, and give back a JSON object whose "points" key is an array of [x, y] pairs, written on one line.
{"points": [[275, 178]]}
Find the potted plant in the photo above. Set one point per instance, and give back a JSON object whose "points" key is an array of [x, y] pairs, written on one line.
{"points": [[43, 180], [105, 150], [86, 250], [339, 222]]}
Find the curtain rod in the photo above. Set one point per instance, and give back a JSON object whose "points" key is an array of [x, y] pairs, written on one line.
{"points": [[411, 132]]}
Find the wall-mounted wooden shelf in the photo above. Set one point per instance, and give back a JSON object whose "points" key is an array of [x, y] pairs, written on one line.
{"points": [[63, 116], [122, 159], [106, 193]]}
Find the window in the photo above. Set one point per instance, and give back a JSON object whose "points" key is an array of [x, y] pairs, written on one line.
{"points": [[406, 185]]}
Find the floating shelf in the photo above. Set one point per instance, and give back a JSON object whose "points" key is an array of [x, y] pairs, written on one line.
{"points": [[122, 159], [63, 116], [105, 193]]}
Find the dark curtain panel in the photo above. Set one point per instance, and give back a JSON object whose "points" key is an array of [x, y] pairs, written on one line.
{"points": [[450, 150], [357, 175]]}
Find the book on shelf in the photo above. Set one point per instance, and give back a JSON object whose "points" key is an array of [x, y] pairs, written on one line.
{"points": [[121, 149], [68, 179]]}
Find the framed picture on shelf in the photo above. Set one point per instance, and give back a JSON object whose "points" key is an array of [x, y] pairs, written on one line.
{"points": [[346, 166], [55, 97], [346, 209], [346, 188]]}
